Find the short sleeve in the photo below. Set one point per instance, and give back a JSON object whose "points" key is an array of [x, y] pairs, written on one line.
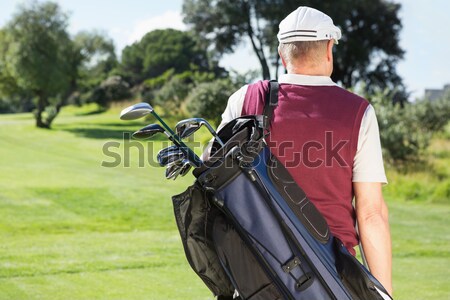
{"points": [[234, 106], [232, 111], [368, 162]]}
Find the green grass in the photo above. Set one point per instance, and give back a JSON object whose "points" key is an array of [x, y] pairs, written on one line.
{"points": [[72, 229]]}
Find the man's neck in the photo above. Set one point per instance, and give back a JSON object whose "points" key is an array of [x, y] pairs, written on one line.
{"points": [[317, 71]]}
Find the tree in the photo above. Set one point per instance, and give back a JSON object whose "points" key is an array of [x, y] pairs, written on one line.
{"points": [[368, 52], [93, 61], [226, 24], [38, 59], [96, 55], [36, 56], [162, 50]]}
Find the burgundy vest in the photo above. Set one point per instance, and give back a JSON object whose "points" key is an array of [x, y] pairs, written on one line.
{"points": [[314, 133]]}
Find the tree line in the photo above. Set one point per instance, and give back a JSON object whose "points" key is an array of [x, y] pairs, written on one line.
{"points": [[43, 67]]}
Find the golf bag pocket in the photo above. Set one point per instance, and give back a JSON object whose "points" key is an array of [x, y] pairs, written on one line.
{"points": [[194, 217], [245, 272]]}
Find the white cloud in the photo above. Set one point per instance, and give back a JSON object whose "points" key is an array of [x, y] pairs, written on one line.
{"points": [[170, 19]]}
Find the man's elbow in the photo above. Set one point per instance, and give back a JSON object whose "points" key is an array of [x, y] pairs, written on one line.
{"points": [[374, 215]]}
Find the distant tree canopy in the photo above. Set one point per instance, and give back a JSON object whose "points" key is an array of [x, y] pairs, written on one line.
{"points": [[36, 56], [97, 54], [162, 50], [39, 59], [368, 51], [94, 60]]}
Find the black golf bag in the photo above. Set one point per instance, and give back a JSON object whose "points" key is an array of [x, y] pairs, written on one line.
{"points": [[246, 226]]}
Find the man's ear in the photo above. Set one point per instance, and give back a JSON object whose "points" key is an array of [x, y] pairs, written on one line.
{"points": [[282, 59], [330, 45]]}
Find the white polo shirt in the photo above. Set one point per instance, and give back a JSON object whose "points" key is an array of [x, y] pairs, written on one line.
{"points": [[368, 161]]}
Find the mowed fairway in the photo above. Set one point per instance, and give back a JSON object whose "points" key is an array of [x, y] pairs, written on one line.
{"points": [[71, 228]]}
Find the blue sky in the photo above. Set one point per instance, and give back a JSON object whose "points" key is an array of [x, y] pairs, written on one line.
{"points": [[425, 34]]}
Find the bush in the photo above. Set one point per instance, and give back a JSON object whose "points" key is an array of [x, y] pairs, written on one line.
{"points": [[171, 89], [406, 131], [173, 93], [433, 115], [112, 88], [442, 192], [209, 99], [158, 82], [16, 104]]}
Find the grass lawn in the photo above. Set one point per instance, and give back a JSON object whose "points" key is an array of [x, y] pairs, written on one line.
{"points": [[71, 228]]}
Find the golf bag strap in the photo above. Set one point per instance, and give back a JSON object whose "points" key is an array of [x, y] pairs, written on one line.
{"points": [[269, 106]]}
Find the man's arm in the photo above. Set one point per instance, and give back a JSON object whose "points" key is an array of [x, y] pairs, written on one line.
{"points": [[373, 225]]}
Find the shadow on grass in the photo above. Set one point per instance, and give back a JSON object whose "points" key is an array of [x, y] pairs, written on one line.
{"points": [[124, 124], [100, 133], [105, 134], [93, 112]]}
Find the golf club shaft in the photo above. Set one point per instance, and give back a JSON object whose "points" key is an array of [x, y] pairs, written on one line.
{"points": [[214, 134], [191, 156]]}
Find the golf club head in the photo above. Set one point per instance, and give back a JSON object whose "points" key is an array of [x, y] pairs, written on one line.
{"points": [[173, 169], [148, 131], [168, 149], [136, 111], [169, 157], [187, 127], [181, 170], [185, 169], [163, 153]]}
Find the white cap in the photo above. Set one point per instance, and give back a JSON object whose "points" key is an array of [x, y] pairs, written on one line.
{"points": [[307, 24]]}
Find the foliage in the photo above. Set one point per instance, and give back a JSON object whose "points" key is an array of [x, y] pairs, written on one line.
{"points": [[225, 24], [157, 82], [36, 51], [173, 93], [162, 50], [112, 88], [12, 98], [39, 60], [170, 89], [368, 51], [96, 59], [433, 115], [209, 99], [16, 103], [406, 131]]}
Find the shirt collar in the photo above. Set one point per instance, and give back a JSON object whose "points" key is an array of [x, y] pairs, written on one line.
{"points": [[299, 79]]}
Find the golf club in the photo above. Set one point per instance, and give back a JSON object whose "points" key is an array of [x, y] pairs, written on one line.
{"points": [[187, 127], [173, 169], [165, 151], [149, 131], [185, 169], [135, 111], [169, 156], [180, 169], [140, 110]]}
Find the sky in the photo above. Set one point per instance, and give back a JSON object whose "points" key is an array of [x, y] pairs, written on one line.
{"points": [[424, 37]]}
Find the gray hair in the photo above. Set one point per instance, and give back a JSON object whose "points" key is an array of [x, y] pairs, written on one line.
{"points": [[307, 51]]}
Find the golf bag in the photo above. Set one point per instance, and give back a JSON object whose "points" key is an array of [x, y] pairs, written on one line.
{"points": [[246, 226]]}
